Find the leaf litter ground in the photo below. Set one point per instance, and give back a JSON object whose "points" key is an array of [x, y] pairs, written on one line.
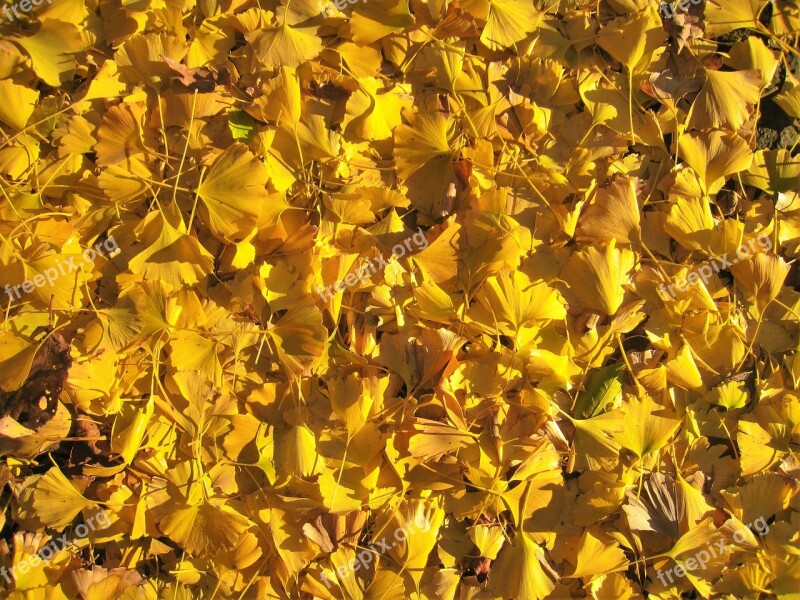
{"points": [[583, 383]]}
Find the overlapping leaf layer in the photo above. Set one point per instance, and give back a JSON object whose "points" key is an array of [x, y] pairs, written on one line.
{"points": [[514, 278]]}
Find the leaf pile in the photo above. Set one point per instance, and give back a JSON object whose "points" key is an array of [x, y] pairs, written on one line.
{"points": [[526, 382]]}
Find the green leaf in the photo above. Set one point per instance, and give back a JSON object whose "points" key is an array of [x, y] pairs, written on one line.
{"points": [[603, 389], [242, 125]]}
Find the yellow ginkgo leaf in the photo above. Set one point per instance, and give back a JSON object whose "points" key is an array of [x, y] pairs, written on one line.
{"points": [[521, 570], [440, 258], [373, 112], [606, 98], [722, 17], [760, 277], [194, 352], [614, 214], [119, 137], [232, 193], [753, 55], [295, 452], [56, 500], [714, 155], [613, 585], [682, 369], [173, 257], [299, 338], [26, 443], [596, 276], [19, 103], [125, 182], [421, 521], [141, 57], [350, 402], [284, 46], [633, 40], [29, 570], [433, 303], [156, 309], [17, 159], [16, 358], [341, 576], [281, 101], [508, 22], [691, 223], [774, 171], [432, 440], [759, 440], [730, 394], [105, 84], [342, 487], [72, 272], [204, 529], [726, 100], [596, 557], [648, 425], [509, 303], [424, 141], [211, 43], [130, 427], [77, 138], [375, 19], [696, 506], [489, 540], [311, 139], [789, 98], [245, 252], [51, 49], [106, 584], [388, 584], [703, 533], [595, 445]]}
